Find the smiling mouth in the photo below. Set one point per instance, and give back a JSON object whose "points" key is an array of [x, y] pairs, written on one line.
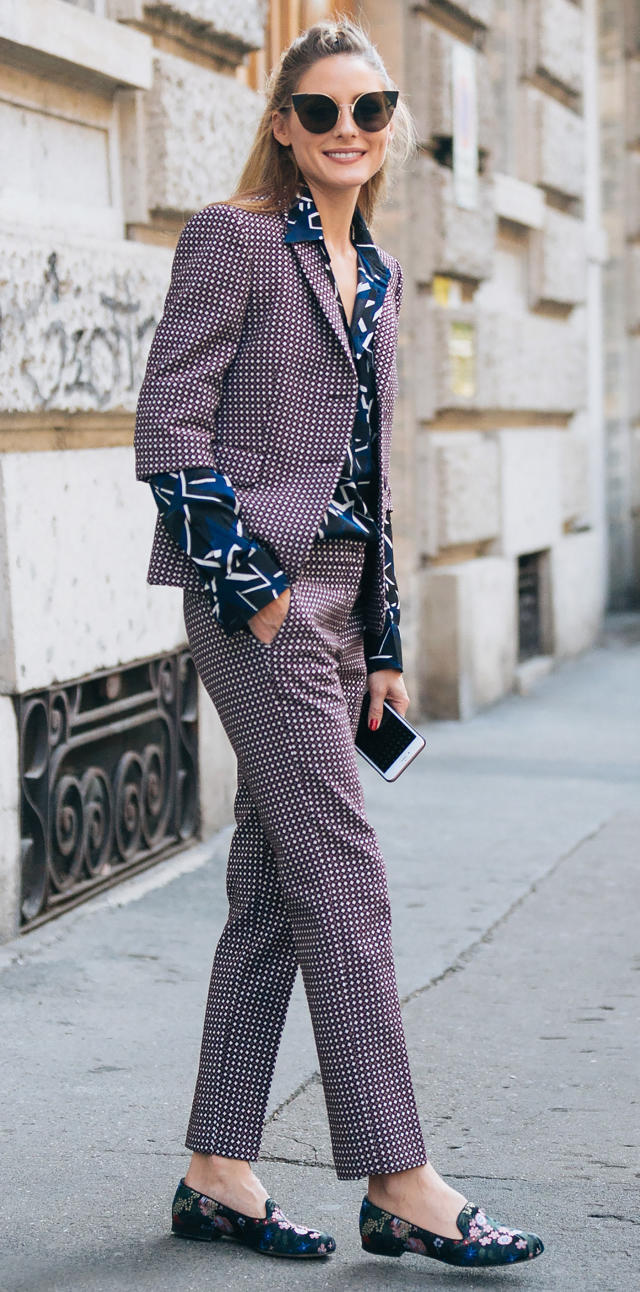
{"points": [[345, 154]]}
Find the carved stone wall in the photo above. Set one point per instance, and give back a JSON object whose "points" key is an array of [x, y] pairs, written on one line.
{"points": [[198, 126], [507, 437], [76, 328], [110, 138], [241, 21]]}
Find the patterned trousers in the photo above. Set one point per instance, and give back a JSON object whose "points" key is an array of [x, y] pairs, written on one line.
{"points": [[306, 882]]}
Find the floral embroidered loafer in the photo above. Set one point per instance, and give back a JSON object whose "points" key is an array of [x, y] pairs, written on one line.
{"points": [[483, 1242], [195, 1215]]}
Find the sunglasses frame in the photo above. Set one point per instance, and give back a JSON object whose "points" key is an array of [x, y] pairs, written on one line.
{"points": [[390, 93]]}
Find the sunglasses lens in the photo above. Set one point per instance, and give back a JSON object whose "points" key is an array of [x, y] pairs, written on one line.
{"points": [[317, 112], [373, 111]]}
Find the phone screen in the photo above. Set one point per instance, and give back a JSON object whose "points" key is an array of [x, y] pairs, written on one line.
{"points": [[388, 742]]}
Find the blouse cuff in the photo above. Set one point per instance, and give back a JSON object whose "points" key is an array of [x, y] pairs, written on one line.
{"points": [[256, 581], [384, 650], [200, 511]]}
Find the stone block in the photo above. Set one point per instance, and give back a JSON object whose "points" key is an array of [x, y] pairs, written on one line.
{"points": [[518, 361], [422, 359], [431, 56], [57, 40], [633, 287], [478, 10], [76, 326], [635, 468], [241, 22], [634, 378], [578, 591], [557, 260], [469, 636], [9, 821], [530, 480], [631, 27], [632, 204], [58, 169], [632, 87], [554, 42], [463, 468], [199, 126], [426, 496], [575, 477], [77, 531], [518, 201], [529, 362], [554, 154], [452, 241]]}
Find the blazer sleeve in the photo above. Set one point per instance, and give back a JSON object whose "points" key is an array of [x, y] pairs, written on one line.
{"points": [[194, 343]]}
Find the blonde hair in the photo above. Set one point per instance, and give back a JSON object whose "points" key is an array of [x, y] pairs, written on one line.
{"points": [[271, 175]]}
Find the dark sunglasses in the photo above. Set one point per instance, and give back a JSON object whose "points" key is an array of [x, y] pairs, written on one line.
{"points": [[318, 113]]}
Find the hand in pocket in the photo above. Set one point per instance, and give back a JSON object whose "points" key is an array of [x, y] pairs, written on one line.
{"points": [[266, 622]]}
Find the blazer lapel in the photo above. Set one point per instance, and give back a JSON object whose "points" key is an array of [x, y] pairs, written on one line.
{"points": [[384, 342], [318, 279]]}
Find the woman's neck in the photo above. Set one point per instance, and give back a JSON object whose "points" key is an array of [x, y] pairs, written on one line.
{"points": [[336, 214]]}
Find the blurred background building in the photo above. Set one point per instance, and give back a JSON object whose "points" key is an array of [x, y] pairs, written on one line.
{"points": [[516, 465]]}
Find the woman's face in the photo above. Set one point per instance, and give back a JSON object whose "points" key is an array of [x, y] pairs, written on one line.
{"points": [[345, 157]]}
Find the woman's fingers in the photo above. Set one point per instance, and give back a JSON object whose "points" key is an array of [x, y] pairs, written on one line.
{"points": [[386, 684]]}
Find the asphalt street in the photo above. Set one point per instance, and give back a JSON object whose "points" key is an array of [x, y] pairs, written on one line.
{"points": [[513, 852]]}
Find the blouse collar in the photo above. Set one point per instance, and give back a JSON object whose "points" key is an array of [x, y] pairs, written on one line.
{"points": [[303, 224]]}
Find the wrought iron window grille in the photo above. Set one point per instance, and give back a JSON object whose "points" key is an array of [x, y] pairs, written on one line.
{"points": [[108, 779]]}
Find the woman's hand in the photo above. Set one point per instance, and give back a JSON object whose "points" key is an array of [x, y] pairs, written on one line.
{"points": [[386, 684], [266, 622]]}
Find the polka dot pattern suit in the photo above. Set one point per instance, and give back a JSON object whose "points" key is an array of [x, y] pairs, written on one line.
{"points": [[233, 380]]}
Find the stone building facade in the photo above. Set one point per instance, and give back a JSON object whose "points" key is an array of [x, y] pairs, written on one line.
{"points": [[516, 465]]}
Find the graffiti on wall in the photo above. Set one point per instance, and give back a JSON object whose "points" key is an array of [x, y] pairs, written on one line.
{"points": [[74, 337]]}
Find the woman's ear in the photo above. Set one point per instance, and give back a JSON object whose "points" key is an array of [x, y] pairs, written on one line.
{"points": [[280, 127]]}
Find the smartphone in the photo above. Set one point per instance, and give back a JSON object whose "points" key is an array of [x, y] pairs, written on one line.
{"points": [[393, 746]]}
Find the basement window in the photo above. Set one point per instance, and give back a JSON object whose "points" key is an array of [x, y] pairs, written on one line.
{"points": [[532, 604]]}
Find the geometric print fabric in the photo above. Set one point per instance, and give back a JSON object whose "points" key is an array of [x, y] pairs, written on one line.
{"points": [[251, 353], [201, 511], [306, 881]]}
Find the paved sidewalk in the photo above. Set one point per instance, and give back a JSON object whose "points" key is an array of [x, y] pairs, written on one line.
{"points": [[513, 852]]}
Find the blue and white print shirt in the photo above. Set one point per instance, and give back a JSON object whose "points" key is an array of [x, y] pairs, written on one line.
{"points": [[199, 506], [353, 509]]}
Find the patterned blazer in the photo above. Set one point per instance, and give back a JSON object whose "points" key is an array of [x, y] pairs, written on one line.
{"points": [[250, 373]]}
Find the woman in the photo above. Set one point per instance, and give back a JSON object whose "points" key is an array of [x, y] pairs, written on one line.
{"points": [[263, 427]]}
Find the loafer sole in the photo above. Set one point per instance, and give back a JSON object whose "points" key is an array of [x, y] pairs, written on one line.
{"points": [[229, 1238]]}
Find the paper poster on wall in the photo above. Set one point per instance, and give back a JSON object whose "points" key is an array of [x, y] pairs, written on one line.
{"points": [[465, 126], [462, 359]]}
